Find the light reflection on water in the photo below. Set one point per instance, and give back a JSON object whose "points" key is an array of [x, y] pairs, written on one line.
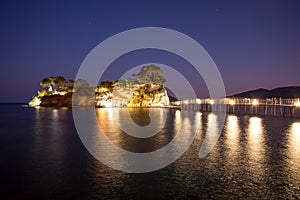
{"points": [[293, 152], [254, 158], [166, 144], [212, 129], [256, 146], [232, 137], [294, 140]]}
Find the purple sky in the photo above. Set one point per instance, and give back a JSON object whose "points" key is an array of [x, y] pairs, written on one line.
{"points": [[254, 43]]}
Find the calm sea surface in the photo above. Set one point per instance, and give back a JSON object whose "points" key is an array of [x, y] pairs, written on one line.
{"points": [[42, 157]]}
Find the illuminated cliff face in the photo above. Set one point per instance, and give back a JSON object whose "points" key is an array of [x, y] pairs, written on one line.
{"points": [[137, 95], [143, 95]]}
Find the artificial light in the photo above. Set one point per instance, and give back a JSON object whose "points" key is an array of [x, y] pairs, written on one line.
{"points": [[231, 102], [254, 102]]}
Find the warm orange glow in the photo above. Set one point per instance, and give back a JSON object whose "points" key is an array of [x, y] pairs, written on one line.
{"points": [[231, 102], [255, 125], [102, 89], [42, 93], [177, 113], [296, 129], [212, 102], [255, 102], [232, 136], [107, 104], [297, 104], [294, 146], [35, 102], [256, 146], [62, 93], [198, 101]]}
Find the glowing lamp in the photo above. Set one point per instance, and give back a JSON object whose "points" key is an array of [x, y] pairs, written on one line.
{"points": [[297, 104], [231, 102], [212, 102], [255, 102]]}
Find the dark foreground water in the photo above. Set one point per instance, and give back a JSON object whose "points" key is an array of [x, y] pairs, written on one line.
{"points": [[42, 157]]}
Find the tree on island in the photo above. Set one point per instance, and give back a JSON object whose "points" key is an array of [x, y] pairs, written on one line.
{"points": [[150, 73], [108, 85], [61, 81], [46, 82], [53, 82], [82, 88]]}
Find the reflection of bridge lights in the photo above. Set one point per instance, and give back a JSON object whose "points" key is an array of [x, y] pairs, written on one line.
{"points": [[255, 124], [177, 113], [255, 102], [232, 123], [232, 136], [296, 128], [294, 144], [231, 102], [297, 104]]}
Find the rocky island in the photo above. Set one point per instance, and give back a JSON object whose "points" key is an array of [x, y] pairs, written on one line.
{"points": [[144, 89]]}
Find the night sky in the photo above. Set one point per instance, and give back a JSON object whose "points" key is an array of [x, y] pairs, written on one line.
{"points": [[255, 44]]}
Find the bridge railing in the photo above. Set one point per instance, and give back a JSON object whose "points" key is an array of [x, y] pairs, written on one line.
{"points": [[242, 101]]}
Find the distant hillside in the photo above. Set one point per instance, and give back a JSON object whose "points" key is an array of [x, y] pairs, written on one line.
{"points": [[284, 92]]}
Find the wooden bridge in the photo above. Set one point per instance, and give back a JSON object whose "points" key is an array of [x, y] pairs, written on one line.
{"points": [[264, 107]]}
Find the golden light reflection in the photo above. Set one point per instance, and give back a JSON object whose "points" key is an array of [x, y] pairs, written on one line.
{"points": [[255, 147], [198, 125], [293, 153], [198, 117], [255, 133], [177, 113], [177, 120], [294, 144], [232, 136], [36, 101], [296, 129], [186, 129], [212, 130], [232, 102], [110, 130], [105, 118]]}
